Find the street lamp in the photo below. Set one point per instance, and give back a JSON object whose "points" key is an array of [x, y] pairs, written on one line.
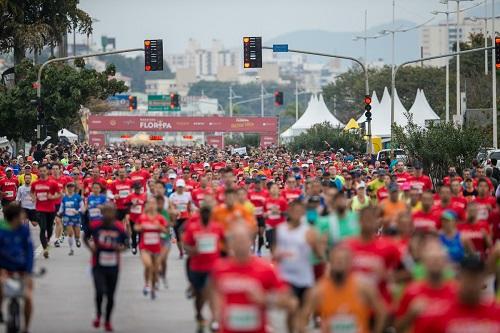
{"points": [[447, 13], [393, 77]]}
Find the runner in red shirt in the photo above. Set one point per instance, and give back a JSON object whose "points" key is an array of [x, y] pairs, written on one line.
{"points": [[95, 178], [136, 201], [430, 296], [484, 200], [258, 196], [140, 175], [198, 194], [458, 201], [468, 312], [478, 232], [8, 187], [274, 213], [401, 175], [426, 220], [373, 257], [452, 175], [45, 192], [292, 191], [419, 180], [245, 287], [190, 183], [202, 241], [119, 190], [150, 225]]}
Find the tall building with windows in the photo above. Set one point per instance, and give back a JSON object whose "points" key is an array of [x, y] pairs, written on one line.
{"points": [[437, 39]]}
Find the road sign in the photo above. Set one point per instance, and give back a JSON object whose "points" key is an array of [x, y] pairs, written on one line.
{"points": [[160, 103], [252, 52], [280, 47], [118, 102]]}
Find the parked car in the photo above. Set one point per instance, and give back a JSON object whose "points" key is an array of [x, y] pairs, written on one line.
{"points": [[494, 153], [384, 155]]}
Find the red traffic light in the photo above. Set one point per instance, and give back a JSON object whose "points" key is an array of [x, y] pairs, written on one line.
{"points": [[368, 100]]}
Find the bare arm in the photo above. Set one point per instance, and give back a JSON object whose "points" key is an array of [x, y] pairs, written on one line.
{"points": [[374, 300]]}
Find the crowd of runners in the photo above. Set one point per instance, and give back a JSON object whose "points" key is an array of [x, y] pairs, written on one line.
{"points": [[339, 241]]}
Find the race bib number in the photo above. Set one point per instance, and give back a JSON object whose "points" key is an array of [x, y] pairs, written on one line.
{"points": [[108, 259], [41, 196], [71, 212], [151, 238], [343, 323], [181, 207], [123, 194], [259, 210], [9, 194], [243, 318], [206, 244], [137, 209], [482, 213]]}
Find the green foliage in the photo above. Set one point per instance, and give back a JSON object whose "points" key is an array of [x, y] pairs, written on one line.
{"points": [[324, 136], [243, 140], [349, 90], [134, 68], [33, 24], [64, 90], [440, 145]]}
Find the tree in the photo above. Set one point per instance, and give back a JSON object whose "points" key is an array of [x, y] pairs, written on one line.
{"points": [[324, 136], [243, 140], [65, 89], [439, 146], [33, 24]]}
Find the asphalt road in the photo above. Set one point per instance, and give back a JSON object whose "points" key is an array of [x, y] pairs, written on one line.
{"points": [[64, 297]]}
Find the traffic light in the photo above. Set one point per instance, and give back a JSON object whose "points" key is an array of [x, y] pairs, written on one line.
{"points": [[252, 52], [132, 103], [153, 55], [174, 101], [368, 108], [497, 52], [278, 98]]}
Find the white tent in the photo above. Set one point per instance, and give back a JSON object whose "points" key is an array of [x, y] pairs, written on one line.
{"points": [[316, 113], [421, 110], [72, 137]]}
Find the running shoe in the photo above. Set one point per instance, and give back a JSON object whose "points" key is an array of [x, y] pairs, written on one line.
{"points": [[78, 243], [46, 253], [56, 243], [1, 317], [108, 327], [146, 290], [189, 293], [134, 251], [97, 322], [153, 294], [165, 282], [71, 252], [214, 326]]}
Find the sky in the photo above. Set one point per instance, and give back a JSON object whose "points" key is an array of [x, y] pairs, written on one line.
{"points": [[175, 21]]}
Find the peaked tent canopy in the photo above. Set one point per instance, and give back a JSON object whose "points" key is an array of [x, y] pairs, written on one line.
{"points": [[421, 110], [72, 137], [316, 113], [352, 124]]}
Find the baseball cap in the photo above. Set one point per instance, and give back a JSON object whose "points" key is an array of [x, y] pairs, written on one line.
{"points": [[205, 165], [449, 215], [310, 161], [180, 183], [8, 169], [381, 172], [361, 185], [305, 165], [172, 176], [137, 185], [393, 187], [417, 165]]}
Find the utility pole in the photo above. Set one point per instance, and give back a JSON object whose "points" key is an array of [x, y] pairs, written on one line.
{"points": [[261, 99], [230, 100], [296, 100]]}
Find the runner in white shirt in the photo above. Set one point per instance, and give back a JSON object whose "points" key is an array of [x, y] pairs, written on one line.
{"points": [[181, 203], [26, 200]]}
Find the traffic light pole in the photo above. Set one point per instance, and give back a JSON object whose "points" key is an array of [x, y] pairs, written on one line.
{"points": [[396, 68], [363, 67], [48, 62]]}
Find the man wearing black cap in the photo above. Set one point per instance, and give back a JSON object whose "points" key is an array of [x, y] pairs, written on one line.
{"points": [[419, 180]]}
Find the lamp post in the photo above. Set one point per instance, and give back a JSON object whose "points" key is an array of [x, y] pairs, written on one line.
{"points": [[494, 76], [393, 77]]}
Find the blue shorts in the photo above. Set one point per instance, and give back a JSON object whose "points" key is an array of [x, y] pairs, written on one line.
{"points": [[71, 222]]}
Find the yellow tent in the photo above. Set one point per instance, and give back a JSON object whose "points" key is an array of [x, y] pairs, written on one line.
{"points": [[352, 124], [376, 143]]}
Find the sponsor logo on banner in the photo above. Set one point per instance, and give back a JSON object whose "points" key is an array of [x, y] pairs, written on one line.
{"points": [[154, 124]]}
